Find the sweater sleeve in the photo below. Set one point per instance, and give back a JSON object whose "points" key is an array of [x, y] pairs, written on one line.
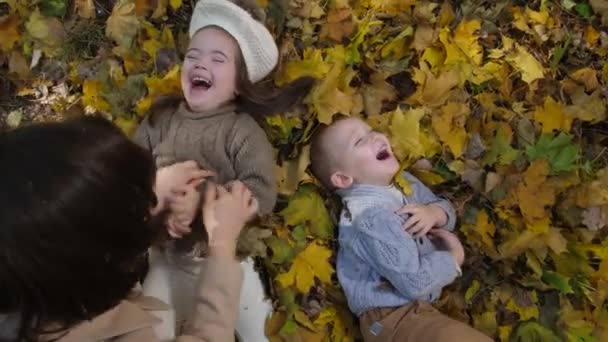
{"points": [[423, 195], [216, 303], [395, 256], [144, 135], [254, 163]]}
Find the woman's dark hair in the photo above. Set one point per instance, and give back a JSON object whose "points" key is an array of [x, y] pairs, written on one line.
{"points": [[74, 222]]}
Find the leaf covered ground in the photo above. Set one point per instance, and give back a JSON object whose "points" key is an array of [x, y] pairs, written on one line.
{"points": [[498, 105]]}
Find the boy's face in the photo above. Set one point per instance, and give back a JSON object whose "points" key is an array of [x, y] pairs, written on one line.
{"points": [[362, 156], [209, 70]]}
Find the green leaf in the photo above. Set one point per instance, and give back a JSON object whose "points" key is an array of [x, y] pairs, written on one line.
{"points": [[281, 250], [561, 153], [54, 8], [534, 332], [581, 334], [289, 328], [308, 207], [558, 281], [299, 234], [501, 150], [559, 52], [584, 10]]}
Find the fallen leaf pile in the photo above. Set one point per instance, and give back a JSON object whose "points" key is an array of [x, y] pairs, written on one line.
{"points": [[500, 106]]}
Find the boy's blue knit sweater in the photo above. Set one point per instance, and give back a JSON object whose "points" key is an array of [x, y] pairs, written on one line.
{"points": [[378, 263]]}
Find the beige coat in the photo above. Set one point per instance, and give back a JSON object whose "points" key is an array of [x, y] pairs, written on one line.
{"points": [[213, 319]]}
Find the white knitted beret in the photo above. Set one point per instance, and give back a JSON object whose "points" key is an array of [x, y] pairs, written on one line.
{"points": [[257, 44]]}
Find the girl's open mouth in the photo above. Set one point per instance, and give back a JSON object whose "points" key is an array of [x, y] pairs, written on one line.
{"points": [[200, 83], [383, 154]]}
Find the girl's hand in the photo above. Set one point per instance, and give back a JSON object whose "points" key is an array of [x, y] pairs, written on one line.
{"points": [[225, 214], [174, 177], [422, 218], [183, 205]]}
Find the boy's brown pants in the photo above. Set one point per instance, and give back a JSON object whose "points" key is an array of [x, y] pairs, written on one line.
{"points": [[417, 322]]}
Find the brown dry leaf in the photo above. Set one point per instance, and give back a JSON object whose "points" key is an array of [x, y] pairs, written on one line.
{"points": [[424, 37], [9, 32], [587, 107], [340, 24], [85, 8], [292, 172], [586, 76], [18, 65], [376, 93], [432, 91]]}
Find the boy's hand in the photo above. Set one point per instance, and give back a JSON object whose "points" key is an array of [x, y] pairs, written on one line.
{"points": [[225, 214], [183, 205], [450, 242], [422, 218], [176, 176]]}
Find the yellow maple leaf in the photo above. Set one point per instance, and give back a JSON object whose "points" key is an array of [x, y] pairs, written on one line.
{"points": [[448, 123], [534, 194], [175, 4], [91, 96], [333, 95], [520, 59], [293, 172], [170, 83], [311, 64], [525, 312], [466, 40], [433, 91], [485, 228], [122, 25], [310, 263], [405, 134], [340, 321], [553, 116], [9, 33]]}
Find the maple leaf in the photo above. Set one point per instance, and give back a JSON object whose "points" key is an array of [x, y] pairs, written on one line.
{"points": [[532, 331], [449, 126], [306, 206], [85, 8], [311, 64], [405, 134], [534, 195], [431, 90], [501, 150], [520, 59], [122, 25], [310, 263], [340, 321], [9, 34], [92, 96], [553, 116], [466, 40], [375, 94], [48, 33], [559, 150], [587, 107]]}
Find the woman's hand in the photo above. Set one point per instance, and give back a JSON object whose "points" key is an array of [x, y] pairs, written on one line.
{"points": [[225, 215], [174, 177]]}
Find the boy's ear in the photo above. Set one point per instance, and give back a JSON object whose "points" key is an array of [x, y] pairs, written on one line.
{"points": [[341, 181]]}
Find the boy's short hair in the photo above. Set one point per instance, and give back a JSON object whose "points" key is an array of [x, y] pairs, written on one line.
{"points": [[322, 160]]}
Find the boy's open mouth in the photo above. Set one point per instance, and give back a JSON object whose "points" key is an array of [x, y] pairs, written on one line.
{"points": [[383, 154], [200, 83]]}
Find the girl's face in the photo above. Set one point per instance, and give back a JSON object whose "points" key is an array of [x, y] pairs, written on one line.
{"points": [[209, 70]]}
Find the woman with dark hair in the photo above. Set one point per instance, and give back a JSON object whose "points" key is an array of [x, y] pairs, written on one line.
{"points": [[75, 227]]}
